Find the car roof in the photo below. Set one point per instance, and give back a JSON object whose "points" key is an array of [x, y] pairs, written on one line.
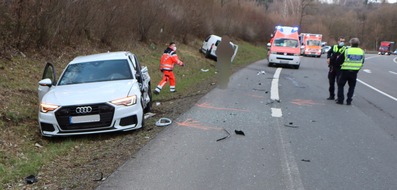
{"points": [[101, 56], [218, 37]]}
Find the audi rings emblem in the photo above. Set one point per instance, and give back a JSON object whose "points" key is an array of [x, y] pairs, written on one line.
{"points": [[84, 109]]}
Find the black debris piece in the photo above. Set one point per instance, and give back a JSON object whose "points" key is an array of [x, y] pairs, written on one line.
{"points": [[99, 177], [31, 179], [291, 124], [303, 160], [239, 132], [228, 135]]}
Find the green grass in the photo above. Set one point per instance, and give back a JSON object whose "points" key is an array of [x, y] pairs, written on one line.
{"points": [[19, 157]]}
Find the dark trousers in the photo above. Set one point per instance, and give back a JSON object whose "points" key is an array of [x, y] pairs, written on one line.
{"points": [[332, 78], [350, 77]]}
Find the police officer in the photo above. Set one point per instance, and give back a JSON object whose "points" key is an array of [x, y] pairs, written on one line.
{"points": [[351, 63], [334, 68]]}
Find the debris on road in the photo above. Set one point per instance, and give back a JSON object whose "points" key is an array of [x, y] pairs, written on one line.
{"points": [[149, 114], [261, 72], [204, 70], [291, 124], [303, 160], [162, 122], [239, 132], [228, 135]]}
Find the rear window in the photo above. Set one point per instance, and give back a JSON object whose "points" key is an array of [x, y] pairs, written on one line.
{"points": [[96, 71]]}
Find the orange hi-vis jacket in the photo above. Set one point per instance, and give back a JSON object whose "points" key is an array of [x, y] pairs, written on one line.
{"points": [[168, 59]]}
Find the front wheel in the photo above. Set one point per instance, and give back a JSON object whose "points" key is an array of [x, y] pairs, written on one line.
{"points": [[148, 107]]}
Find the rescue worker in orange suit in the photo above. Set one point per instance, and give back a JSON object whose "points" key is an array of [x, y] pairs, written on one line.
{"points": [[167, 62], [334, 68], [351, 62]]}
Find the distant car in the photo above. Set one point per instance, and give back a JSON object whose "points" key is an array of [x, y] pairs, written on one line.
{"points": [[395, 52], [325, 49], [210, 45], [95, 94]]}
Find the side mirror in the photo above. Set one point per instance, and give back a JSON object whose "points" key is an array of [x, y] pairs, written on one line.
{"points": [[45, 82], [268, 45]]}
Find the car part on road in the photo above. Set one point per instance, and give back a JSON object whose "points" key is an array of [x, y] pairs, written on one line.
{"points": [[239, 132], [162, 122], [290, 124], [228, 135]]}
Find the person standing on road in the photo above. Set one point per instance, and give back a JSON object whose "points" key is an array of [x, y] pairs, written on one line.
{"points": [[167, 61], [351, 63], [332, 55]]}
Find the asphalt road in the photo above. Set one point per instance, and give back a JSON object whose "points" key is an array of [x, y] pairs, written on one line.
{"points": [[293, 137]]}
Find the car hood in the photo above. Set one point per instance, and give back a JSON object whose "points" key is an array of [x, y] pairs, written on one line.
{"points": [[87, 93]]}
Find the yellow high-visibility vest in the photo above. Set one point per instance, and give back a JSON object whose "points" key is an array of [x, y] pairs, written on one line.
{"points": [[336, 49], [354, 58]]}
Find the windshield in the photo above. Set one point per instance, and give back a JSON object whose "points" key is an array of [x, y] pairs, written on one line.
{"points": [[313, 43], [284, 42], [96, 71], [383, 48]]}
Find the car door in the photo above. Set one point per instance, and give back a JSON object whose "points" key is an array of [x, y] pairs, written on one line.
{"points": [[206, 45], [47, 81]]}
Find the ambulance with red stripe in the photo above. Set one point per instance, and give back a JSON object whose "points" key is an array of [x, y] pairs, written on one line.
{"points": [[285, 48], [311, 44]]}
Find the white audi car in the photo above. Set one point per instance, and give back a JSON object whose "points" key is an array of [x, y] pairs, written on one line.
{"points": [[95, 94]]}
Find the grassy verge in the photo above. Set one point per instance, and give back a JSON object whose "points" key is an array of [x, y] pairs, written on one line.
{"points": [[23, 152]]}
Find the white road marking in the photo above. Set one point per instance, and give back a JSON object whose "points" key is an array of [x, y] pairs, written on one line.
{"points": [[274, 88], [276, 112], [289, 166], [383, 93], [393, 72], [367, 71], [377, 90]]}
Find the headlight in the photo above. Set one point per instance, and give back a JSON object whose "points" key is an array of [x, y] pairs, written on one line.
{"points": [[47, 107], [127, 101]]}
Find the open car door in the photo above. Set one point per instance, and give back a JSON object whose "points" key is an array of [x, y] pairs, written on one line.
{"points": [[47, 81]]}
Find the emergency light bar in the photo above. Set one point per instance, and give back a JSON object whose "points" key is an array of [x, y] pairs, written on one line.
{"points": [[287, 29]]}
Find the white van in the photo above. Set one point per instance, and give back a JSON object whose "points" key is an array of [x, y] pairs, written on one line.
{"points": [[210, 45]]}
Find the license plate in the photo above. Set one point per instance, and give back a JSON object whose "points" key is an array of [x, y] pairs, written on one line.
{"points": [[85, 119], [284, 62]]}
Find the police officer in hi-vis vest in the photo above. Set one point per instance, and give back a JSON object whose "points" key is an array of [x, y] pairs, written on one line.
{"points": [[351, 63], [334, 68]]}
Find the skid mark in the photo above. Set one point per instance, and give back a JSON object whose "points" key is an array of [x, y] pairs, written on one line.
{"points": [[206, 105], [196, 124], [304, 102]]}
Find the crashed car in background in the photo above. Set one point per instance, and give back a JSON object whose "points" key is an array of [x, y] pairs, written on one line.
{"points": [[210, 44], [95, 94]]}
